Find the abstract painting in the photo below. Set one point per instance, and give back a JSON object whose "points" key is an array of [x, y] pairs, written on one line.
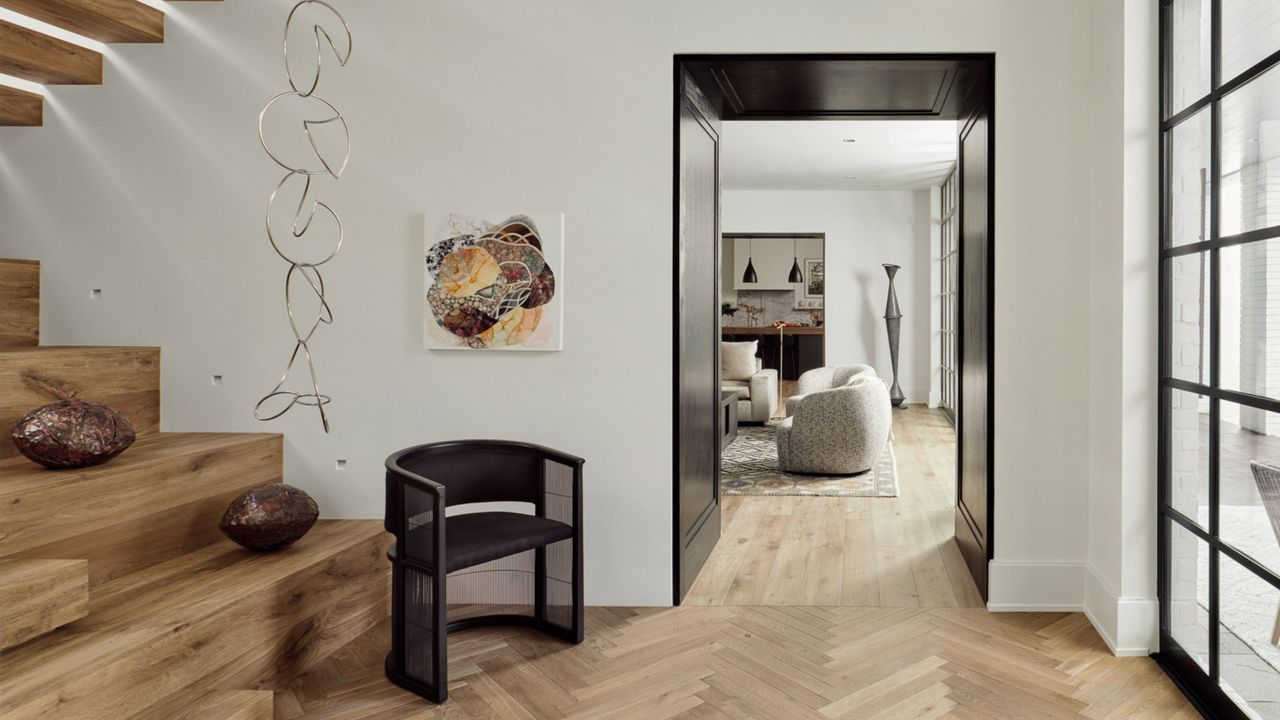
{"points": [[494, 281]]}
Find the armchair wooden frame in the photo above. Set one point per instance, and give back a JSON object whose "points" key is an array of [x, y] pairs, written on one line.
{"points": [[471, 471]]}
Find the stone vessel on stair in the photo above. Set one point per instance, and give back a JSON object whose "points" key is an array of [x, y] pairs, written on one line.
{"points": [[72, 434], [270, 517]]}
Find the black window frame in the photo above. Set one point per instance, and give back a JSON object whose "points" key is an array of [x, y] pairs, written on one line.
{"points": [[949, 293], [1201, 687]]}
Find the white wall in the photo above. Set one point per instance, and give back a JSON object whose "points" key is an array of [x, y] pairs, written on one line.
{"points": [[864, 230], [1120, 579], [153, 188]]}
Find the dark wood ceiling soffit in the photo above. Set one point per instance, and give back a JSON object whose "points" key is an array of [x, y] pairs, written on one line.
{"points": [[763, 88]]}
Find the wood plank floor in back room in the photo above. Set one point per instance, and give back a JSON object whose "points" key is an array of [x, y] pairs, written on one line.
{"points": [[894, 552]]}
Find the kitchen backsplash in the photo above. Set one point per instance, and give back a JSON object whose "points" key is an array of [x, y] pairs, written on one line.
{"points": [[773, 306]]}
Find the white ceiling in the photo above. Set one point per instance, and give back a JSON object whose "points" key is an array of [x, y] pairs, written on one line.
{"points": [[814, 154]]}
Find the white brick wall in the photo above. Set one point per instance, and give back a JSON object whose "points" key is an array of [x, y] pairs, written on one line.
{"points": [[1259, 282], [1190, 52], [1249, 32], [1187, 590], [1188, 336]]}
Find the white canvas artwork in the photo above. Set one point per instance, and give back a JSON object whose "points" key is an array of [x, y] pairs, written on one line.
{"points": [[494, 281]]}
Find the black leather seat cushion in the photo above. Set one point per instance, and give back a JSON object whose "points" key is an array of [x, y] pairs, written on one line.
{"points": [[477, 538]]}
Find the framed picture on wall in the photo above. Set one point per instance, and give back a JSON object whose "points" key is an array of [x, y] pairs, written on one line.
{"points": [[814, 279], [494, 281]]}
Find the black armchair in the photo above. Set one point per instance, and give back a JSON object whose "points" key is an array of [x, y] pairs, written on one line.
{"points": [[498, 567]]}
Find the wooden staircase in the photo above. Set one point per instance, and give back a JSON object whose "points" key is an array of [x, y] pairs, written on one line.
{"points": [[119, 598], [31, 55]]}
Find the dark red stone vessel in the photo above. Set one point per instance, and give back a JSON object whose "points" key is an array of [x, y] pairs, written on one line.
{"points": [[72, 434], [270, 517]]}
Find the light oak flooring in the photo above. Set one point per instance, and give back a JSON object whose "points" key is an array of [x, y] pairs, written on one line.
{"points": [[828, 551], [767, 663], [810, 608]]}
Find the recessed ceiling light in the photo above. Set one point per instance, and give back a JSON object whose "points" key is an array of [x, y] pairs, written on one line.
{"points": [[851, 140], [850, 177]]}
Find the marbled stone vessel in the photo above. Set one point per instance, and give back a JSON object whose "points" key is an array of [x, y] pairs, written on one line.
{"points": [[72, 434], [270, 517]]}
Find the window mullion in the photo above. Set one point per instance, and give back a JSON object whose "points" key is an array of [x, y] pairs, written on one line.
{"points": [[1215, 336]]}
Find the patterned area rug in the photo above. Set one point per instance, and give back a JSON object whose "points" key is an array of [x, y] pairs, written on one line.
{"points": [[749, 466]]}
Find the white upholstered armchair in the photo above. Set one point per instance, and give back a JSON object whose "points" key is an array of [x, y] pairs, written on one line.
{"points": [[757, 395], [839, 429], [825, 378], [743, 374]]}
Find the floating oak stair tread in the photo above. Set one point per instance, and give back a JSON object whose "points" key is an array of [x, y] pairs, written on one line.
{"points": [[41, 58], [38, 596], [19, 108], [159, 499], [125, 378], [220, 618], [214, 705], [106, 20], [19, 291]]}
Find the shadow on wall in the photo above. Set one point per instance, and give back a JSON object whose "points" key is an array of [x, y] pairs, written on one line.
{"points": [[412, 277], [868, 318]]}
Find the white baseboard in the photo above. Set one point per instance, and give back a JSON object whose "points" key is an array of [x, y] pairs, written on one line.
{"points": [[1024, 586], [997, 607], [1128, 625], [914, 396]]}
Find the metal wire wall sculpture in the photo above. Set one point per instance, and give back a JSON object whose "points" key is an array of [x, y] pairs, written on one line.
{"points": [[302, 168]]}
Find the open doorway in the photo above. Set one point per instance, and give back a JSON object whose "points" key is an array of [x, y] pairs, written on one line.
{"points": [[845, 516], [788, 237]]}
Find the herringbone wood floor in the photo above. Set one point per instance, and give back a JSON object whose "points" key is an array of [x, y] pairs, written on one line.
{"points": [[761, 662], [792, 631]]}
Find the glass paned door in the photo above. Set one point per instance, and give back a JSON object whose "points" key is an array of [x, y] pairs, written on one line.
{"points": [[949, 273], [1220, 353]]}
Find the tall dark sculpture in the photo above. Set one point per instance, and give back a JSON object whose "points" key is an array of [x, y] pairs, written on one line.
{"points": [[893, 322]]}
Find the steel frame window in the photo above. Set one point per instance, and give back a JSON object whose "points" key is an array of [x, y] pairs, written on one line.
{"points": [[948, 261], [1202, 687]]}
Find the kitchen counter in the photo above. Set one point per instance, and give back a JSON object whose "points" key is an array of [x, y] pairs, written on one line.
{"points": [[791, 352], [767, 330]]}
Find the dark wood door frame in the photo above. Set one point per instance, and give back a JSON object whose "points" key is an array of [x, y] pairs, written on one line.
{"points": [[696, 403], [975, 336], [747, 86]]}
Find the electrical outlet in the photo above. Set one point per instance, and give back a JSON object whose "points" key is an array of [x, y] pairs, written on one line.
{"points": [[95, 293], [215, 380], [341, 464]]}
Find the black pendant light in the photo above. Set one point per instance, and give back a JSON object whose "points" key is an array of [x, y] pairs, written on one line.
{"points": [[796, 276], [749, 275]]}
